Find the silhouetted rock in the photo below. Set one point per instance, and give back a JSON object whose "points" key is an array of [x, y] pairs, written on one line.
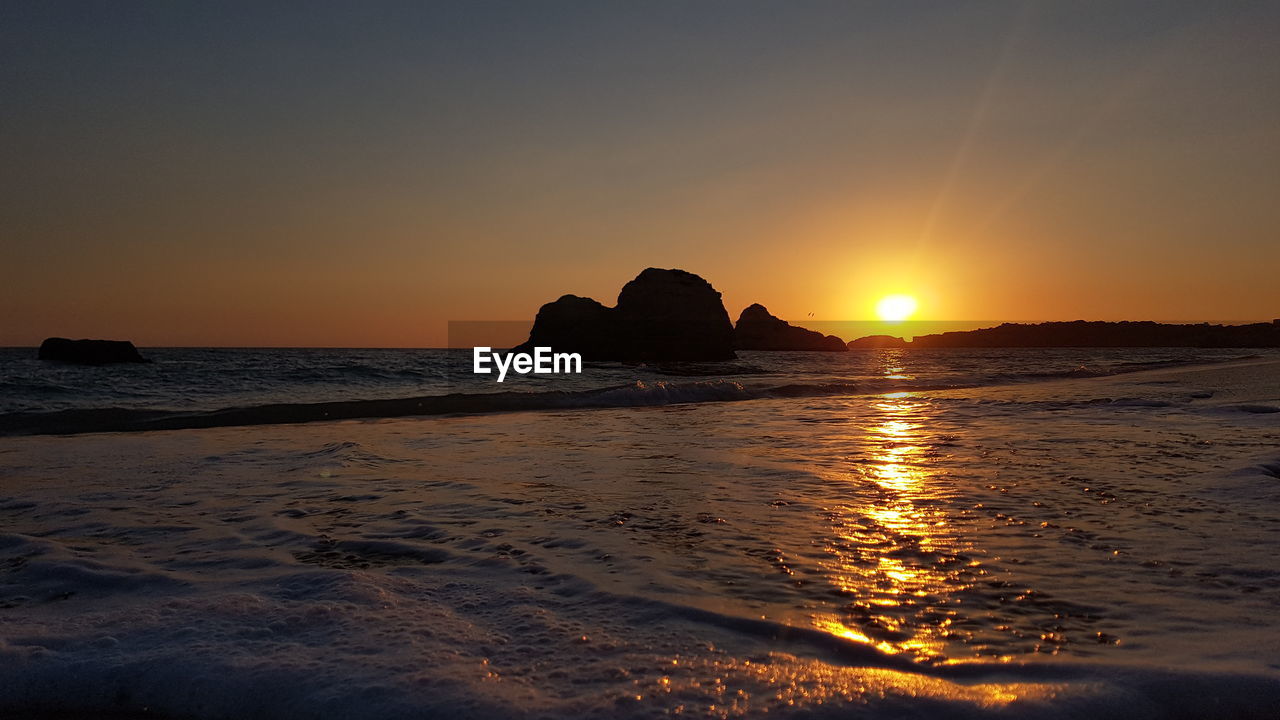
{"points": [[1101, 334], [877, 341], [674, 315], [90, 352], [575, 324], [661, 315], [757, 329]]}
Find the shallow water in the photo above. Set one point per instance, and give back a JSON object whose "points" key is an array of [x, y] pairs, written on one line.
{"points": [[1094, 546]]}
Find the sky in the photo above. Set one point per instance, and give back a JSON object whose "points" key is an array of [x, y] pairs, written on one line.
{"points": [[360, 174]]}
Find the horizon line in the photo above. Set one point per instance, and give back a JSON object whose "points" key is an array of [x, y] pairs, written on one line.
{"points": [[886, 323]]}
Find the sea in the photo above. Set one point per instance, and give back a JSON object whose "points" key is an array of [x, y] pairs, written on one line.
{"points": [[184, 381], [898, 533]]}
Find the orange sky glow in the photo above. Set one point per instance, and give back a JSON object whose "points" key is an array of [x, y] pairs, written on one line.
{"points": [[252, 183]]}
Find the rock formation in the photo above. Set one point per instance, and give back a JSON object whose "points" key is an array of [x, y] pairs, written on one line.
{"points": [[90, 352], [759, 330], [878, 341], [661, 315], [1096, 334]]}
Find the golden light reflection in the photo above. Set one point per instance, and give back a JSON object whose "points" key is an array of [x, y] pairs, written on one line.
{"points": [[748, 688], [893, 368], [893, 557]]}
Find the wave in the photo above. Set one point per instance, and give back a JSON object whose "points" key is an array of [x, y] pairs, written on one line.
{"points": [[636, 394], [116, 419]]}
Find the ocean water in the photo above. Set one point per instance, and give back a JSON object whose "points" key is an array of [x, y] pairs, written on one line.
{"points": [[1020, 533], [182, 382]]}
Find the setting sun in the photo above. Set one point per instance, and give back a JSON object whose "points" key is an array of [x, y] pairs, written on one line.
{"points": [[896, 308]]}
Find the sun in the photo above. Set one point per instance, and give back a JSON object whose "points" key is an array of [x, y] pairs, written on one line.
{"points": [[896, 308]]}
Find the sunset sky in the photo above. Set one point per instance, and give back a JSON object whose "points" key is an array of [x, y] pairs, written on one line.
{"points": [[331, 174]]}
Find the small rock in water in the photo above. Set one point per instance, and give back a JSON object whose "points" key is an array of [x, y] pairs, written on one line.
{"points": [[89, 352]]}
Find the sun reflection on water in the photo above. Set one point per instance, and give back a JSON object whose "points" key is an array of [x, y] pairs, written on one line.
{"points": [[893, 557]]}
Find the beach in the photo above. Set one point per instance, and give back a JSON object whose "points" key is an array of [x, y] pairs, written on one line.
{"points": [[587, 360], [1072, 546]]}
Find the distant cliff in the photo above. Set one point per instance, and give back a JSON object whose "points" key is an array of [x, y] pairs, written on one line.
{"points": [[757, 329], [661, 315], [1092, 334], [877, 341]]}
